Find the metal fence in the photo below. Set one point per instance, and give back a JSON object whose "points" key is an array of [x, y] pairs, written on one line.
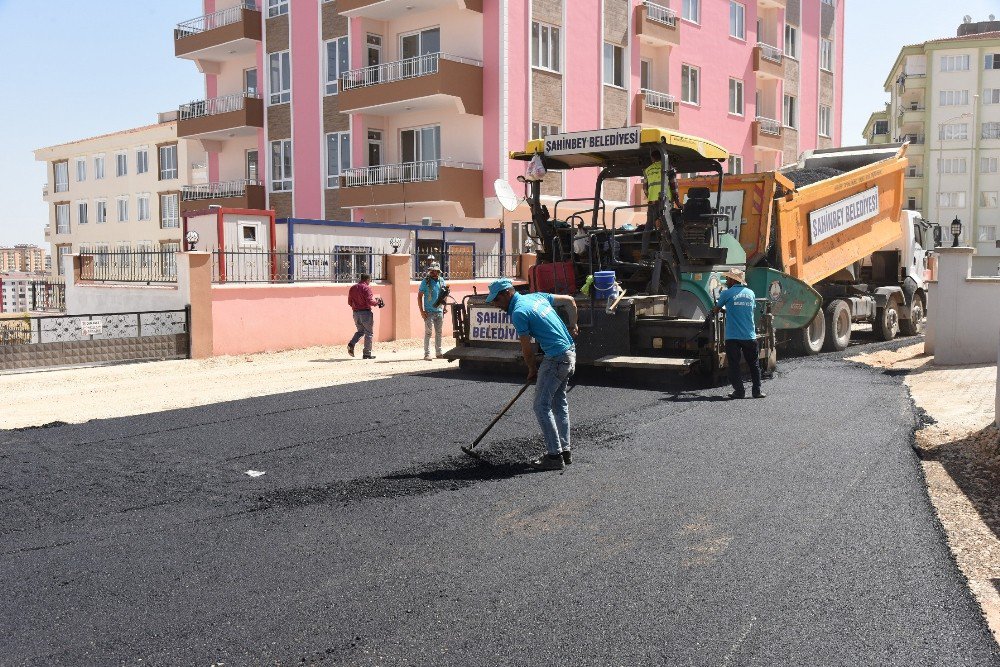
{"points": [[660, 14], [47, 295], [768, 52], [259, 265], [76, 328], [218, 19], [660, 101], [768, 125], [215, 105], [217, 190], [399, 70], [129, 266], [406, 172], [457, 265]]}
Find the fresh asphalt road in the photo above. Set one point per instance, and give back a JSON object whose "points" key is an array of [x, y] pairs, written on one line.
{"points": [[689, 531]]}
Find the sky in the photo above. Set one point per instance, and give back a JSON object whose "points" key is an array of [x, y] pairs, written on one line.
{"points": [[78, 69]]}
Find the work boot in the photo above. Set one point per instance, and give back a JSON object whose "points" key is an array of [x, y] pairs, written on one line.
{"points": [[350, 350], [428, 357], [440, 354], [757, 393], [737, 394], [368, 356], [567, 457], [547, 462]]}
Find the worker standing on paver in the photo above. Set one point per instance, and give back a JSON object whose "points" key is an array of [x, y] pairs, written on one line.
{"points": [[361, 299], [535, 316], [652, 187], [433, 313], [741, 334]]}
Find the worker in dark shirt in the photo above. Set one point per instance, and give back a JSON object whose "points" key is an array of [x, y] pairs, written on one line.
{"points": [[361, 299], [741, 334]]}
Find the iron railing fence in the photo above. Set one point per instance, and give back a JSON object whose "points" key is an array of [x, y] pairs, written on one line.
{"points": [[129, 266], [47, 295], [768, 125], [222, 190], [105, 326], [660, 14], [406, 172], [260, 265], [771, 53], [660, 101], [219, 19], [458, 265], [216, 105], [399, 70]]}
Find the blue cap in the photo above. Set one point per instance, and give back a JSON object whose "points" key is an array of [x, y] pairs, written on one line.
{"points": [[498, 286]]}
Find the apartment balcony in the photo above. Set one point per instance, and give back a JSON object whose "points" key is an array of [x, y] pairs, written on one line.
{"points": [[912, 116], [428, 182], [385, 10], [220, 35], [433, 81], [917, 141], [657, 109], [657, 25], [768, 61], [912, 83], [914, 178], [243, 193], [221, 118], [767, 134], [48, 232]]}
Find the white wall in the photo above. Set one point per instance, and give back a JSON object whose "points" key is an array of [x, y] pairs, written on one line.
{"points": [[963, 313], [84, 299]]}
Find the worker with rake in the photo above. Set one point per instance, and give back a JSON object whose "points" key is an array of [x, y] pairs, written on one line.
{"points": [[741, 335], [535, 316]]}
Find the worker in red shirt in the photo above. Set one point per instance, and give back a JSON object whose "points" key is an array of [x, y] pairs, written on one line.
{"points": [[361, 299]]}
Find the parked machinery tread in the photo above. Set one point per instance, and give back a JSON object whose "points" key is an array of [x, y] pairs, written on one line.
{"points": [[915, 325], [886, 324], [838, 326]]}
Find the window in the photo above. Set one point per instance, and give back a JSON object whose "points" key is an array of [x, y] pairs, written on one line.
{"points": [[81, 169], [881, 127], [911, 203], [791, 41], [953, 98], [123, 209], [614, 65], [142, 203], [100, 211], [62, 252], [168, 162], [141, 160], [736, 97], [276, 8], [691, 11], [280, 66], [988, 165], [62, 218], [826, 54], [544, 46], [81, 213], [690, 84], [421, 144], [951, 200], [337, 59], [281, 165], [988, 199], [987, 233], [99, 167], [735, 165], [60, 176], [737, 20], [790, 112], [250, 80], [350, 261], [121, 164], [953, 131], [540, 130], [825, 121], [828, 2], [168, 212], [952, 165], [954, 63], [991, 131], [338, 157], [991, 96], [992, 61]]}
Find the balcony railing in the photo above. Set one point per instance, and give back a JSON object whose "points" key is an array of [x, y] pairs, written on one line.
{"points": [[768, 126], [659, 101], [660, 14], [218, 19], [912, 138], [217, 190], [406, 172], [914, 173], [398, 70], [216, 105], [768, 52]]}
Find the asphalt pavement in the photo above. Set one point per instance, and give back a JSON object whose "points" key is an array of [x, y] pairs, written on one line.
{"points": [[690, 530]]}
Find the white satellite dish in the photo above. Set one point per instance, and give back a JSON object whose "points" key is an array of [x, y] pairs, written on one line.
{"points": [[966, 19], [505, 194]]}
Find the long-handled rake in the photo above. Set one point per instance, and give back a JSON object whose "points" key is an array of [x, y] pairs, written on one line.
{"points": [[468, 450]]}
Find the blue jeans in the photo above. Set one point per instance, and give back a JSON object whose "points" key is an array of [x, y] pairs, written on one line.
{"points": [[551, 404]]}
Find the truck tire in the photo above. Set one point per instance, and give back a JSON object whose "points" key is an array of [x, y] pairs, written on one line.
{"points": [[809, 340], [886, 324], [838, 326], [915, 325]]}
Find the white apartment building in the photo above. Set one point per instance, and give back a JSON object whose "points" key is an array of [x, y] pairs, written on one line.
{"points": [[945, 100], [17, 291], [119, 191]]}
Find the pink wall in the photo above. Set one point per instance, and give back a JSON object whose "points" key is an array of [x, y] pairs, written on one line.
{"points": [[307, 124], [516, 54], [809, 84], [582, 71], [838, 107]]}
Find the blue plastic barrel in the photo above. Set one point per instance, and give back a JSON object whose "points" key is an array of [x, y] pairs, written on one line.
{"points": [[604, 284]]}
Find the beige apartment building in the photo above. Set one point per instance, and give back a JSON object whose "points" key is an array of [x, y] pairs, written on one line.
{"points": [[23, 257], [119, 191]]}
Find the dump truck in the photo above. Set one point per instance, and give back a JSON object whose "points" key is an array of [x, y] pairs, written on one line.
{"points": [[834, 220], [670, 268]]}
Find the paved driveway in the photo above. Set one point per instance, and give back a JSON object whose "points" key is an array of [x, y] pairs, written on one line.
{"points": [[690, 530]]}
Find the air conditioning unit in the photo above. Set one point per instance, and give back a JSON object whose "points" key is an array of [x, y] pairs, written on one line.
{"points": [[426, 222]]}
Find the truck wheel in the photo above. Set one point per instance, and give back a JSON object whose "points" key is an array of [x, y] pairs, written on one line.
{"points": [[838, 326], [886, 324], [809, 340], [915, 325]]}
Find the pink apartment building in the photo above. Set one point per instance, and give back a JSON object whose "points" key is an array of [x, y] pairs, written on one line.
{"points": [[400, 111]]}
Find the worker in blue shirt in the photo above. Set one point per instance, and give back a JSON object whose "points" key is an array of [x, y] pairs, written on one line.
{"points": [[741, 335], [535, 316]]}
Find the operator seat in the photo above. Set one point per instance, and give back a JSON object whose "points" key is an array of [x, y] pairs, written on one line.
{"points": [[697, 231]]}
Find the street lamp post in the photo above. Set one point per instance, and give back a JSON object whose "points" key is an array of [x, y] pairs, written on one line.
{"points": [[956, 231]]}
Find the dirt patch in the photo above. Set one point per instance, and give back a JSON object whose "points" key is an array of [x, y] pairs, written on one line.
{"points": [[960, 450]]}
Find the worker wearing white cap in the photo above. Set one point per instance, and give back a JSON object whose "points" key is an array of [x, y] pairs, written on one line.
{"points": [[741, 335], [535, 316], [431, 309]]}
